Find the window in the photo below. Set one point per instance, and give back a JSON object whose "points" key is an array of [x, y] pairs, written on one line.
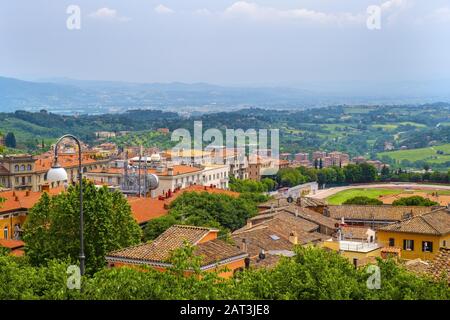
{"points": [[408, 245], [29, 179], [391, 242], [29, 167], [22, 168], [5, 233], [427, 246], [16, 168], [444, 243]]}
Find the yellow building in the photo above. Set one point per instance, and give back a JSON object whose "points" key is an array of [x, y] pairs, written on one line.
{"points": [[420, 236], [357, 252]]}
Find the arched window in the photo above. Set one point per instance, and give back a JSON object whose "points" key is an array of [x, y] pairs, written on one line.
{"points": [[16, 168], [29, 167], [22, 168]]}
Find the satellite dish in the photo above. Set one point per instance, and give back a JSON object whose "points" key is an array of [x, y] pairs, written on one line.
{"points": [[152, 181], [290, 199]]}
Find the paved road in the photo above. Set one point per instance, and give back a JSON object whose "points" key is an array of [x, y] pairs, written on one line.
{"points": [[325, 193]]}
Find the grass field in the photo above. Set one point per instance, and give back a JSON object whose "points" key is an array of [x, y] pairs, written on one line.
{"points": [[342, 196], [426, 154], [374, 193]]}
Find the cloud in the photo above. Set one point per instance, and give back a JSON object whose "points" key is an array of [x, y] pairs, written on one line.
{"points": [[162, 9], [440, 15], [203, 12], [107, 14], [256, 12], [394, 4]]}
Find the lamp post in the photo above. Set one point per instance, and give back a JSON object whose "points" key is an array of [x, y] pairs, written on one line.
{"points": [[58, 173]]}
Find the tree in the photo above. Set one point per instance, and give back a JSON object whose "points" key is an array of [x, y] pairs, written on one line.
{"points": [[361, 200], [204, 209], [10, 140], [414, 201], [270, 184], [51, 230]]}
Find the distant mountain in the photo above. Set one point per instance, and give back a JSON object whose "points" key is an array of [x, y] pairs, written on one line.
{"points": [[68, 96]]}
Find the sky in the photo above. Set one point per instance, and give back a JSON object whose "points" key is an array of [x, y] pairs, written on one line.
{"points": [[255, 42]]}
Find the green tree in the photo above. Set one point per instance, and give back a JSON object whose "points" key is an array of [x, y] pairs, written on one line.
{"points": [[52, 227], [414, 201], [10, 140], [203, 209], [361, 200]]}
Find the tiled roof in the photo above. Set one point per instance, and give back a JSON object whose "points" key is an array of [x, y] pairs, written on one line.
{"points": [[273, 235], [11, 244], [158, 251], [313, 216], [22, 200], [215, 251], [375, 212], [440, 264], [282, 218], [44, 162], [436, 222]]}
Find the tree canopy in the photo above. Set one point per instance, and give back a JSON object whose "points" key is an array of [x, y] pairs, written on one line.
{"points": [[312, 274], [221, 211], [51, 230], [414, 201], [360, 200]]}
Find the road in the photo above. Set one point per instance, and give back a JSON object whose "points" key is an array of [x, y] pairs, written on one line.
{"points": [[325, 193]]}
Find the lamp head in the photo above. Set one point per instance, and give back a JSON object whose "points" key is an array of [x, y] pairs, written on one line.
{"points": [[56, 173]]}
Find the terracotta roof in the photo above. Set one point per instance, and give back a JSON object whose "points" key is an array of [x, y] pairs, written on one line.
{"points": [[374, 212], [282, 218], [44, 162], [436, 222], [146, 209], [215, 251], [273, 235], [158, 251], [313, 216], [11, 244], [310, 202], [440, 264], [22, 200]]}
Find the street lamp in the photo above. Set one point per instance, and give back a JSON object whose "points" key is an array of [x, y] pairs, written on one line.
{"points": [[58, 173]]}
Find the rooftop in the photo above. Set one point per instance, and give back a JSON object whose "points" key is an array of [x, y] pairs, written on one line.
{"points": [[375, 212], [158, 252], [436, 222]]}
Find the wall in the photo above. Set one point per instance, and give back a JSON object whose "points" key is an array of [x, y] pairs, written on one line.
{"points": [[383, 237]]}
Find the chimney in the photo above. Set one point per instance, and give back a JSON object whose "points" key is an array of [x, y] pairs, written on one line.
{"points": [[293, 238], [27, 193], [244, 245], [262, 254], [16, 198], [296, 212], [170, 171], [247, 262]]}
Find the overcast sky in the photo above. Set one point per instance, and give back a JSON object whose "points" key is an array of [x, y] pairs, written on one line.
{"points": [[258, 42]]}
